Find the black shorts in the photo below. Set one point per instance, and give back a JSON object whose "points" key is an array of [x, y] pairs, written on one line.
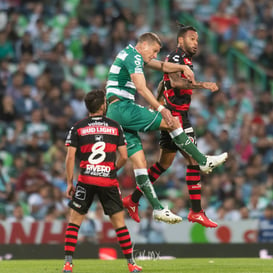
{"points": [[166, 141], [109, 197]]}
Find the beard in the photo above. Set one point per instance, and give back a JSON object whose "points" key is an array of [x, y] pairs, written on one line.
{"points": [[189, 51]]}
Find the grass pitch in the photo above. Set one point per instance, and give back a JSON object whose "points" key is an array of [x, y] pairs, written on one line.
{"points": [[195, 265]]}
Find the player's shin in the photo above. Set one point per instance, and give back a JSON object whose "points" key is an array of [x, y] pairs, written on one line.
{"points": [[71, 237], [125, 243], [124, 240], [154, 172], [194, 187], [147, 188], [184, 143]]}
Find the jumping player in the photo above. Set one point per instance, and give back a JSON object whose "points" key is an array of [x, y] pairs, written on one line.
{"points": [[177, 91], [126, 77]]}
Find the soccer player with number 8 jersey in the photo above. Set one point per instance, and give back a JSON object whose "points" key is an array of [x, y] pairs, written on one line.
{"points": [[95, 141]]}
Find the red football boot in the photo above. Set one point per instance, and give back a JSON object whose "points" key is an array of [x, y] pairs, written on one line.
{"points": [[201, 218], [134, 268], [132, 207]]}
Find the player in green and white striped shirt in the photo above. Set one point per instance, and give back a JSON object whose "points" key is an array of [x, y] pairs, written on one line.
{"points": [[119, 83], [126, 77]]}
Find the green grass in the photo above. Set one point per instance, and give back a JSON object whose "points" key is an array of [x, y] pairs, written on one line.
{"points": [[197, 265]]}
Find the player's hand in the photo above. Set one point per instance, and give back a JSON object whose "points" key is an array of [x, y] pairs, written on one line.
{"points": [[211, 86], [70, 190], [188, 73], [167, 116]]}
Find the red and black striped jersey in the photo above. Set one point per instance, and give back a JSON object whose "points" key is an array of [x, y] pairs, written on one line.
{"points": [[96, 139], [175, 98]]}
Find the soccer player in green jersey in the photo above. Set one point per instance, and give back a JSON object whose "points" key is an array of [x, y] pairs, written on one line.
{"points": [[126, 77]]}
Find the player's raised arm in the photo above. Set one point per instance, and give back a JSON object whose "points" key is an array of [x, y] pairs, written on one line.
{"points": [[177, 82], [168, 67]]}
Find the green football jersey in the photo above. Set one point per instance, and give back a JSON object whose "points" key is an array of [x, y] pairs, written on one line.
{"points": [[127, 62]]}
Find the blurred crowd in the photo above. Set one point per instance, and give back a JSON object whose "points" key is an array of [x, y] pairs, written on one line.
{"points": [[52, 52]]}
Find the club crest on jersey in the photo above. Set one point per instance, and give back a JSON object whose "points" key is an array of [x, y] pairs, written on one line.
{"points": [[98, 137], [187, 61]]}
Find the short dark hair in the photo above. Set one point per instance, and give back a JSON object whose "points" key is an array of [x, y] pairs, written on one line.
{"points": [[149, 37], [182, 29], [94, 100]]}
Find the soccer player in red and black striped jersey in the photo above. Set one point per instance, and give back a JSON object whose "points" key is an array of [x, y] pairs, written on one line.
{"points": [[95, 140], [176, 91]]}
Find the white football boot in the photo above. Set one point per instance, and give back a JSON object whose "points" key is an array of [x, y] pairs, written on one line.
{"points": [[213, 161], [165, 215]]}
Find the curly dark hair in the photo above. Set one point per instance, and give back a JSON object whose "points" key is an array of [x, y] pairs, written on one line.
{"points": [[182, 29]]}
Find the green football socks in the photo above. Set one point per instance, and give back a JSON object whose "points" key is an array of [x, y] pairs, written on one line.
{"points": [[184, 143], [144, 183]]}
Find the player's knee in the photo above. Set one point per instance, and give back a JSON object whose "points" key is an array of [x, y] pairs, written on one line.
{"points": [[118, 221], [175, 125]]}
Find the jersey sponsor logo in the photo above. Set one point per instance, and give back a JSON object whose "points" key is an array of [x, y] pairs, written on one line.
{"points": [[91, 130], [138, 60], [176, 58], [97, 170]]}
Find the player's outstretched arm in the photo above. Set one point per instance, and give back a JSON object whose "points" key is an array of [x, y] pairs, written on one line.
{"points": [[169, 67], [181, 83]]}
